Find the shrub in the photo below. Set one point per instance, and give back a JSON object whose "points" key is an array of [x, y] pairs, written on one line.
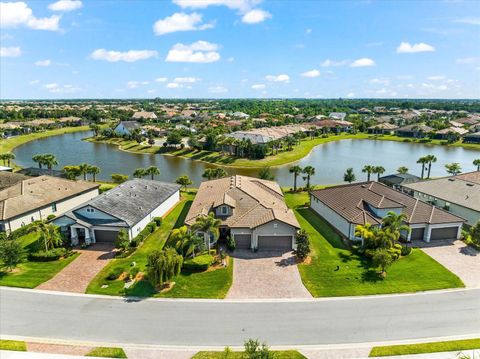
{"points": [[115, 273], [231, 243], [199, 263], [253, 350], [22, 231], [163, 265], [134, 271], [122, 241], [383, 259], [406, 251], [119, 178], [10, 253], [50, 217], [48, 256], [158, 221], [395, 251], [303, 245]]}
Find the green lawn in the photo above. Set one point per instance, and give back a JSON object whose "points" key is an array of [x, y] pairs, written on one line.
{"points": [[107, 353], [15, 345], [336, 271], [32, 274], [209, 284], [284, 354], [449, 346]]}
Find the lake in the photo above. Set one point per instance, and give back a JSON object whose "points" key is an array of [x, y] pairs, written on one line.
{"points": [[330, 160]]}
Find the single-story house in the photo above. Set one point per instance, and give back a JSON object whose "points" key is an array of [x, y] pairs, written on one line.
{"points": [[9, 178], [127, 128], [450, 132], [253, 212], [459, 194], [35, 198], [36, 172], [334, 125], [337, 115], [415, 131], [144, 115], [397, 180], [472, 138], [130, 206], [383, 128], [347, 206]]}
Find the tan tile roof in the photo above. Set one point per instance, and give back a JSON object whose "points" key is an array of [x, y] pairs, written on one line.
{"points": [[8, 179], [351, 202], [38, 192], [254, 202]]}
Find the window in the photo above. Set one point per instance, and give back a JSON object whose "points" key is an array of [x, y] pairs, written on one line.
{"points": [[275, 225], [224, 210], [54, 207], [32, 219], [91, 210]]}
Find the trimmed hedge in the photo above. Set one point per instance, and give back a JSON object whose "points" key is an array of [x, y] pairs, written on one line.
{"points": [[22, 231], [144, 233], [50, 255], [199, 263]]}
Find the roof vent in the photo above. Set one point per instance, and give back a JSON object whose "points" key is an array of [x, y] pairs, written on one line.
{"points": [[470, 184]]}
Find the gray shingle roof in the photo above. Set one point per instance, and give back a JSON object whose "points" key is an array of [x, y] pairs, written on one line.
{"points": [[134, 200]]}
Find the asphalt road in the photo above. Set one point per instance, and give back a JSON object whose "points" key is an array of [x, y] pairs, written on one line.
{"points": [[220, 323]]}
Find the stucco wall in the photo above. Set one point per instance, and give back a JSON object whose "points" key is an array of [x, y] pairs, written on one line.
{"points": [[337, 221]]}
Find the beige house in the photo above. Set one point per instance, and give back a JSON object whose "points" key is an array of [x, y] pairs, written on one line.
{"points": [[35, 198], [253, 212]]}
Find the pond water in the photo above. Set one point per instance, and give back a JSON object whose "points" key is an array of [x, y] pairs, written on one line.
{"points": [[330, 160]]}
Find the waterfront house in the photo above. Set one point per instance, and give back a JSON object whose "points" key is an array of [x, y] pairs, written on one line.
{"points": [[414, 131], [126, 128]]}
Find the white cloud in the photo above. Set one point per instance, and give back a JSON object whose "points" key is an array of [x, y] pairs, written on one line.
{"points": [[468, 60], [127, 56], [185, 80], [200, 52], [434, 87], [350, 95], [311, 73], [173, 85], [436, 78], [133, 84], [65, 5], [14, 14], [180, 21], [43, 63], [241, 5], [332, 63], [217, 89], [151, 91], [468, 20], [407, 48], [258, 86], [161, 79], [379, 81], [363, 62], [12, 51], [56, 88], [255, 16], [34, 82], [51, 86], [308, 31], [278, 78], [404, 77]]}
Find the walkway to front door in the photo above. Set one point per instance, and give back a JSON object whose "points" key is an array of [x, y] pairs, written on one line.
{"points": [[264, 275], [77, 275]]}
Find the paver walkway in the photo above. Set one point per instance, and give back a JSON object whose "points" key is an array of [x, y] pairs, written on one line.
{"points": [[77, 275], [457, 257], [264, 275]]}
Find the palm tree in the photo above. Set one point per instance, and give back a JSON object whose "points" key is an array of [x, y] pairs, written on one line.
{"points": [[50, 160], [349, 175], [396, 223], [266, 174], [95, 128], [214, 173], [183, 241], [49, 234], [476, 162], [368, 169], [94, 171], [296, 170], [423, 161], [84, 170], [208, 225], [7, 158], [139, 173], [183, 181], [402, 170], [430, 159], [309, 171], [152, 171], [453, 168], [40, 159], [378, 170], [290, 141]]}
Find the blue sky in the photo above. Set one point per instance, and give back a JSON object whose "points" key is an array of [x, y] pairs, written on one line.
{"points": [[240, 48]]}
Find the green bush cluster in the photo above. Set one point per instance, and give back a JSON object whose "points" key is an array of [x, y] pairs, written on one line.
{"points": [[395, 251], [22, 231], [231, 245], [144, 233], [406, 251], [199, 263], [158, 221], [115, 273], [50, 255]]}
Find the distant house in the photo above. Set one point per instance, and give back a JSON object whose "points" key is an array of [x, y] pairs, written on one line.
{"points": [[8, 179], [450, 132], [384, 128], [240, 115], [337, 115], [130, 206], [144, 115], [472, 138], [253, 212], [347, 206], [34, 199], [415, 131], [398, 180], [9, 129], [336, 126], [127, 128]]}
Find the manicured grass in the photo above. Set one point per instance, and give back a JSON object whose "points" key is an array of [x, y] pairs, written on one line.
{"points": [[336, 271], [284, 354], [436, 347], [32, 274], [14, 345], [107, 353]]}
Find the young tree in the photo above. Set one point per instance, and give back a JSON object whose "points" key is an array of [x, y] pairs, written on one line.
{"points": [[296, 170], [84, 170], [266, 174], [139, 173], [163, 266], [183, 240], [183, 181], [368, 169], [207, 225], [383, 259], [122, 241], [402, 170], [10, 253], [72, 172], [39, 158], [49, 234], [453, 168], [94, 171], [476, 162], [50, 160], [253, 350], [303, 245], [152, 171], [349, 175], [309, 172]]}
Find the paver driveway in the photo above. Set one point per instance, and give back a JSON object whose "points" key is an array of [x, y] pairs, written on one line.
{"points": [[265, 275], [77, 275], [457, 257]]}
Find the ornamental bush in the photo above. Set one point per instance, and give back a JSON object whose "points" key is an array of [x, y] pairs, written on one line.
{"points": [[163, 265], [115, 273], [10, 253], [50, 255], [199, 263], [158, 221], [231, 245], [303, 245]]}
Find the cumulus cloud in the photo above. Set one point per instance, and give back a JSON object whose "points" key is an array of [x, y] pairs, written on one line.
{"points": [[199, 52], [15, 14], [350, 95], [127, 56], [240, 5], [185, 80], [180, 21], [43, 63], [311, 73], [407, 48], [468, 60], [255, 16], [278, 78], [468, 20], [258, 86], [12, 51], [217, 89], [161, 79], [436, 78], [332, 63], [379, 81], [57, 88], [172, 85], [65, 5], [363, 62]]}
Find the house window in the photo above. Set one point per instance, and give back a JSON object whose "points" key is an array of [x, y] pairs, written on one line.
{"points": [[91, 210], [224, 210], [54, 207], [32, 219], [275, 225]]}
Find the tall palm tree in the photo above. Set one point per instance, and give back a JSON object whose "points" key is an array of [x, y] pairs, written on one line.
{"points": [[476, 162], [402, 170], [7, 158], [349, 175], [396, 223], [309, 171], [453, 168], [139, 173], [84, 170], [430, 159], [49, 234], [296, 170], [50, 160], [152, 171], [423, 161], [94, 171], [379, 170], [183, 241], [207, 225], [368, 169], [39, 158]]}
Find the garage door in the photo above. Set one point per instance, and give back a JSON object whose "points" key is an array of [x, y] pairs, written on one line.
{"points": [[105, 236], [417, 234], [275, 243], [243, 241], [444, 233]]}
